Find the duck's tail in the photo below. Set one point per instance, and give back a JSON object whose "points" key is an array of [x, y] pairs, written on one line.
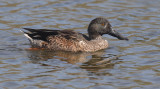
{"points": [[26, 35], [32, 35]]}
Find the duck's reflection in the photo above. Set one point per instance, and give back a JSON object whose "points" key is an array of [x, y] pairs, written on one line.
{"points": [[97, 60]]}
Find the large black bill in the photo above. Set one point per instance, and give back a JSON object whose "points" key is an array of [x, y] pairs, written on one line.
{"points": [[117, 34]]}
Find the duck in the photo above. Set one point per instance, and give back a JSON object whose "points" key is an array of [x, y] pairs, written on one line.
{"points": [[69, 40]]}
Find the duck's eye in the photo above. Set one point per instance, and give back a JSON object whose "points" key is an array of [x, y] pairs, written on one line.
{"points": [[102, 24]]}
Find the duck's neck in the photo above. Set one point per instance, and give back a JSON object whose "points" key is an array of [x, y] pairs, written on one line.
{"points": [[93, 34]]}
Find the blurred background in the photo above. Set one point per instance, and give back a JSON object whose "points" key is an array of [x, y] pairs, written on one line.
{"points": [[132, 64]]}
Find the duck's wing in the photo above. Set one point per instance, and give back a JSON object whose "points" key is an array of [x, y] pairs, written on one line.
{"points": [[43, 34], [39, 34]]}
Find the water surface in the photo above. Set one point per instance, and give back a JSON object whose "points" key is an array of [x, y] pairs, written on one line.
{"points": [[132, 64]]}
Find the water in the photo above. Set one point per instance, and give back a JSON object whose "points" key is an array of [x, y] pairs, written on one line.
{"points": [[132, 64]]}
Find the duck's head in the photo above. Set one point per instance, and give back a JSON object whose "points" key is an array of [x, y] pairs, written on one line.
{"points": [[100, 26]]}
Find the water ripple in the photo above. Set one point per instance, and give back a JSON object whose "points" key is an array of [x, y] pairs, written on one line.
{"points": [[125, 64]]}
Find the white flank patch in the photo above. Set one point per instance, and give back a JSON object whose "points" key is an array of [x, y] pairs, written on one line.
{"points": [[82, 42]]}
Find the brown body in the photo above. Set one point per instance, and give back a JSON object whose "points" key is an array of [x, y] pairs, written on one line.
{"points": [[60, 43], [68, 40]]}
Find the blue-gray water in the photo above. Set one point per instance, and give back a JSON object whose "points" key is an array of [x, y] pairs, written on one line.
{"points": [[135, 63]]}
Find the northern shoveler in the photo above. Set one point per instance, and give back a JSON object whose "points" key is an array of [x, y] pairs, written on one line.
{"points": [[68, 40]]}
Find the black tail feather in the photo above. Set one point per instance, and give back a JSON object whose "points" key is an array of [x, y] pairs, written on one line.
{"points": [[40, 34]]}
